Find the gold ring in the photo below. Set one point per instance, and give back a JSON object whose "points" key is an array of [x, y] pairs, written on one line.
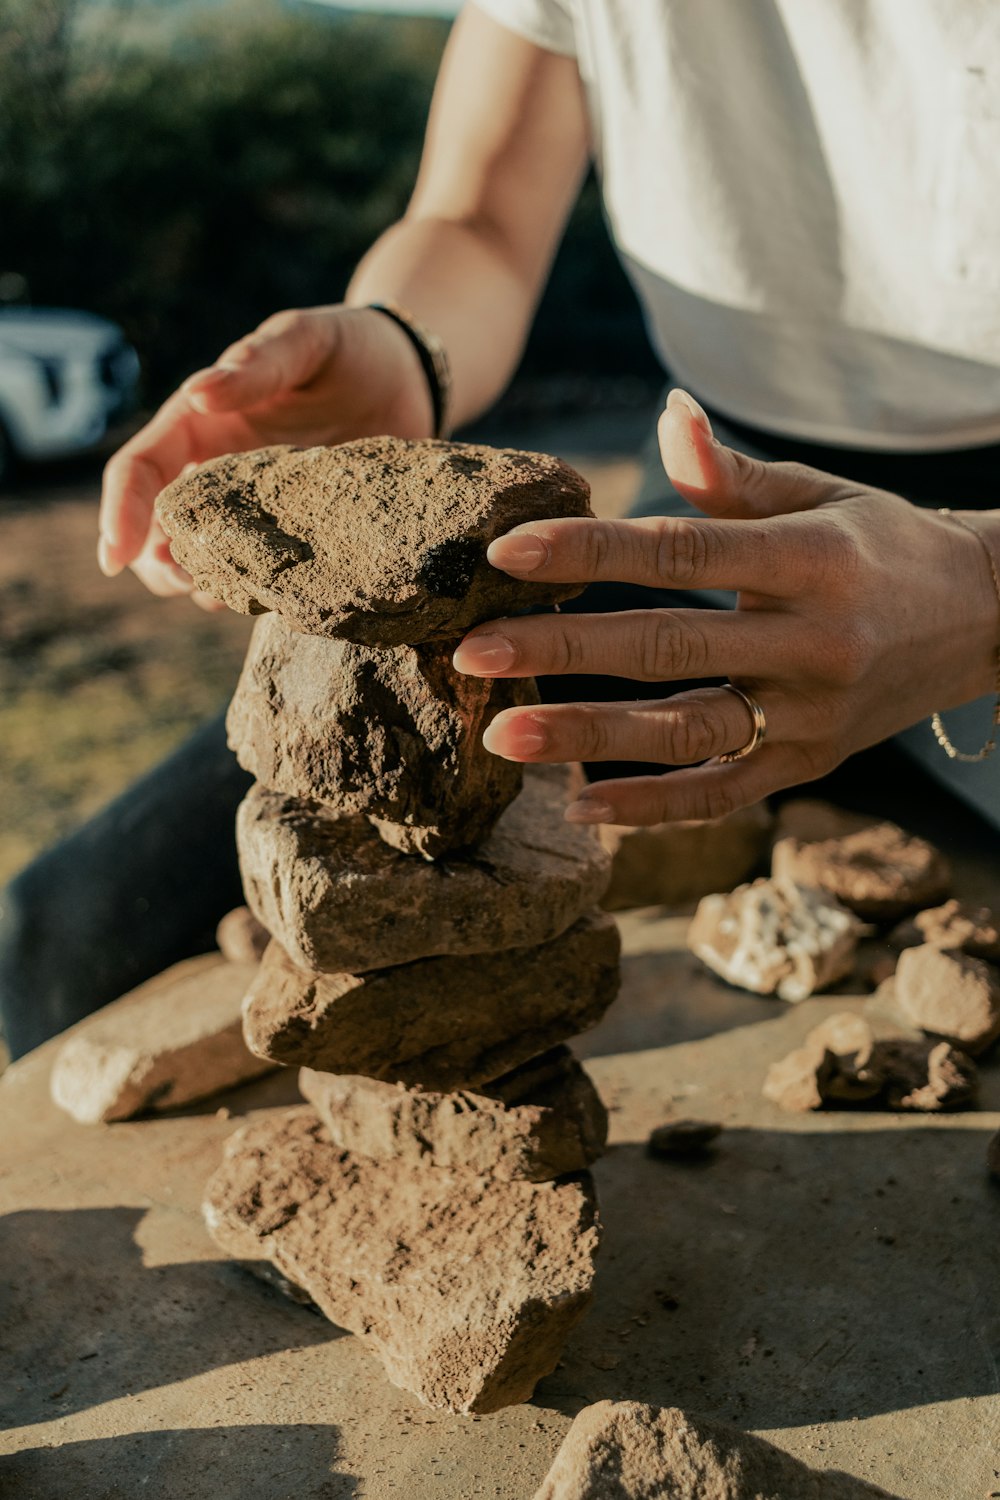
{"points": [[759, 725]]}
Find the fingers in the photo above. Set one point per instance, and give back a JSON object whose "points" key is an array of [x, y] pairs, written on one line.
{"points": [[729, 484], [283, 355], [682, 730], [134, 477], [644, 645], [711, 791]]}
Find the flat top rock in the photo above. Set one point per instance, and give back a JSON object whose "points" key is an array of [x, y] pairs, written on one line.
{"points": [[381, 540], [880, 871]]}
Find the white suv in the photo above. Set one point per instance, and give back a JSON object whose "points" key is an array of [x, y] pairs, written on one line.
{"points": [[66, 378]]}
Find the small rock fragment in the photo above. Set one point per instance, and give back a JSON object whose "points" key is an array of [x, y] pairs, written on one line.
{"points": [[841, 1062], [625, 1450], [554, 1123], [993, 1156], [678, 1138], [956, 924], [880, 872], [926, 1076], [775, 937], [465, 1287], [175, 1039], [672, 863], [381, 540], [835, 1063], [438, 1023], [949, 994], [337, 898], [241, 938], [393, 734]]}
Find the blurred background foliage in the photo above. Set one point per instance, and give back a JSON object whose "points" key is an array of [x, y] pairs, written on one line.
{"points": [[187, 169]]}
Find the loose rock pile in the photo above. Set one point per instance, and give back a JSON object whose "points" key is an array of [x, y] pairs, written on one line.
{"points": [[435, 929]]}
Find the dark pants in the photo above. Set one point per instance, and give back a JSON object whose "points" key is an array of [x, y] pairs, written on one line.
{"points": [[143, 884]]}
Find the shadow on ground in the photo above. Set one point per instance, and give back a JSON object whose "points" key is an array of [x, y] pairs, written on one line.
{"points": [[228, 1463], [794, 1278]]}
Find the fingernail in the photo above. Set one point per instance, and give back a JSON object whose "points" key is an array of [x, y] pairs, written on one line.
{"points": [[105, 561], [517, 554], [588, 810], [525, 737], [483, 655], [680, 397]]}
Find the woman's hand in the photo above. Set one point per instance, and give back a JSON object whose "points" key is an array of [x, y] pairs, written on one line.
{"points": [[858, 615], [322, 375]]}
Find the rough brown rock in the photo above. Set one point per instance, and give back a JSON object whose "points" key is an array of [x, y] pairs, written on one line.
{"points": [[683, 1138], [541, 1121], [394, 734], [811, 820], [671, 863], [880, 872], [834, 1064], [241, 938], [175, 1039], [956, 924], [339, 899], [625, 1450], [949, 994], [465, 1287], [775, 937], [437, 1023], [382, 540], [842, 1062]]}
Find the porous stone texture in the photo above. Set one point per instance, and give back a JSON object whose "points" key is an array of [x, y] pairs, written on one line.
{"points": [[465, 1287], [241, 938], [625, 1450], [438, 1023], [950, 994], [956, 924], [842, 1062], [683, 1138], [339, 899], [775, 937], [541, 1121], [671, 863], [175, 1039], [880, 872], [394, 734], [381, 540]]}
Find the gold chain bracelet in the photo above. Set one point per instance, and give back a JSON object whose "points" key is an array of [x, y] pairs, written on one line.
{"points": [[940, 733]]}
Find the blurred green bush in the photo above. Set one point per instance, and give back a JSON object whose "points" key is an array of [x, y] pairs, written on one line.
{"points": [[188, 170]]}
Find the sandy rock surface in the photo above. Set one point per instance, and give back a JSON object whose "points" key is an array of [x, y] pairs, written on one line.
{"points": [[438, 1023], [880, 872], [676, 862], [394, 734], [949, 994], [625, 1450], [955, 924], [538, 1122], [775, 937], [842, 1062], [241, 938], [339, 899], [465, 1287], [382, 540], [175, 1039]]}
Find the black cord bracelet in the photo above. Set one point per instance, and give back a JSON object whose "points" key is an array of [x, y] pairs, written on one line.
{"points": [[432, 356]]}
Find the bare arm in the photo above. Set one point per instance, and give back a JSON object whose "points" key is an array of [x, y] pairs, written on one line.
{"points": [[505, 150]]}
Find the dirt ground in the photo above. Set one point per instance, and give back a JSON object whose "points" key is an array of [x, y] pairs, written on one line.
{"points": [[99, 679]]}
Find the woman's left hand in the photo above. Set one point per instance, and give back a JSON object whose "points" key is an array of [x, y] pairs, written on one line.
{"points": [[858, 615]]}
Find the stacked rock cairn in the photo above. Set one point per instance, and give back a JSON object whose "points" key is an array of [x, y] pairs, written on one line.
{"points": [[435, 936]]}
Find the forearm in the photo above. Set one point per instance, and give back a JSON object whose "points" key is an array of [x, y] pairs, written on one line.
{"points": [[458, 280]]}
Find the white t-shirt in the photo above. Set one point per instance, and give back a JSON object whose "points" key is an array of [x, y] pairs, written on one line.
{"points": [[806, 196]]}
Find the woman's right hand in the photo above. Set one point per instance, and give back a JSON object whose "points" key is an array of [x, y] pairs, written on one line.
{"points": [[322, 375]]}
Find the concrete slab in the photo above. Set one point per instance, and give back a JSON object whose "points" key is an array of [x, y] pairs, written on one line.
{"points": [[829, 1281]]}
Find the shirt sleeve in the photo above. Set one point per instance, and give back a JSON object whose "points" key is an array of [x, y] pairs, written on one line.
{"points": [[547, 23]]}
